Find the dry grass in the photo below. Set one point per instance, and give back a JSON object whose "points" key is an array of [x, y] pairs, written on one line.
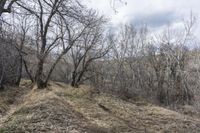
{"points": [[122, 116], [10, 95], [7, 97], [45, 111], [61, 108]]}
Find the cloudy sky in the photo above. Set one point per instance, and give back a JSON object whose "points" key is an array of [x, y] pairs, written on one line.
{"points": [[155, 13]]}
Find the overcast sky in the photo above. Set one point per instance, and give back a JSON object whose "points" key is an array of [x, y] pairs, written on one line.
{"points": [[155, 13]]}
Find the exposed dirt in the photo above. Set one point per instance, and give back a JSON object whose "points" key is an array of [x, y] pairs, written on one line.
{"points": [[63, 109]]}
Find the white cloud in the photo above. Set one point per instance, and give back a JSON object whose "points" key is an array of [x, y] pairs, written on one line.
{"points": [[156, 13]]}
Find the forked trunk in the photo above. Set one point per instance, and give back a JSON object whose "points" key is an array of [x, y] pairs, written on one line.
{"points": [[39, 76]]}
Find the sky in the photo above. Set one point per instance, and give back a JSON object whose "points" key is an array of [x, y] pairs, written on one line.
{"points": [[155, 13]]}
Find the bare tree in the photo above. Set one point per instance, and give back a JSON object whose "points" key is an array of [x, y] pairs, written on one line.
{"points": [[88, 49], [169, 56], [4, 3], [46, 14], [58, 25], [22, 39], [9, 57], [126, 58], [155, 67]]}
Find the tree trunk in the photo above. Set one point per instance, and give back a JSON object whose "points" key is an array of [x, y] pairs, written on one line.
{"points": [[8, 8], [52, 68], [2, 4], [80, 77], [27, 71], [162, 96], [39, 75], [1, 78], [19, 71], [74, 83], [161, 92], [76, 78]]}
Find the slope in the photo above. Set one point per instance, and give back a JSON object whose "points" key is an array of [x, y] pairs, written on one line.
{"points": [[61, 108]]}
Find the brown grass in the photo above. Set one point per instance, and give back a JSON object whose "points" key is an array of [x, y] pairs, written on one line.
{"points": [[61, 108], [10, 95]]}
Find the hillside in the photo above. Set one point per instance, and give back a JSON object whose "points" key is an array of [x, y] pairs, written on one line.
{"points": [[62, 109]]}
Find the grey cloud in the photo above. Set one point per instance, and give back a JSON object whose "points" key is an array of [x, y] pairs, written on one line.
{"points": [[156, 20]]}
